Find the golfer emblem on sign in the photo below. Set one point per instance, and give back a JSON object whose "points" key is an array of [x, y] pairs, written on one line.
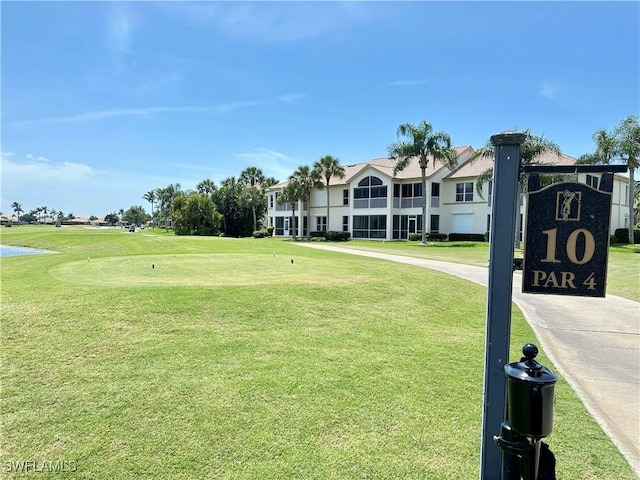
{"points": [[568, 206]]}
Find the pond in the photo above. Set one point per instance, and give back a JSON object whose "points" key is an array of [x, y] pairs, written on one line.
{"points": [[10, 251]]}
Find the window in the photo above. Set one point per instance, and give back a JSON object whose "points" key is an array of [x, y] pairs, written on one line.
{"points": [[435, 195], [403, 225], [625, 199], [345, 196], [592, 181], [464, 192], [345, 223], [411, 195], [435, 224], [370, 226], [370, 193], [271, 201], [321, 224], [490, 197]]}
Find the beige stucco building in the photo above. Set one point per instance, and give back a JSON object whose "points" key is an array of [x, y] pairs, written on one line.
{"points": [[370, 202]]}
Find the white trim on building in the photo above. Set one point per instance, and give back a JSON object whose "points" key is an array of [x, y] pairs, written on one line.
{"points": [[371, 203]]}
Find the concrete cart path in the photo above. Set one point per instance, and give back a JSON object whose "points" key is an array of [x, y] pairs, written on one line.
{"points": [[593, 342]]}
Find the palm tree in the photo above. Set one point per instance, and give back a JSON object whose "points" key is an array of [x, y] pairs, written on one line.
{"points": [[628, 134], [206, 186], [306, 180], [251, 176], [290, 194], [165, 198], [328, 167], [252, 179], [606, 145], [425, 144], [17, 208], [531, 151], [150, 197], [620, 145]]}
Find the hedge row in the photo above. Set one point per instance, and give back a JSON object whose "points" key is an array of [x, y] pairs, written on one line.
{"points": [[622, 235], [433, 237], [467, 237], [332, 236]]}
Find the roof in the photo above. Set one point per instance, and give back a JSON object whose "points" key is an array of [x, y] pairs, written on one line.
{"points": [[385, 165], [474, 168]]}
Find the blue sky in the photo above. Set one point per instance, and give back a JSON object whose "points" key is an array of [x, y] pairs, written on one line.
{"points": [[104, 101]]}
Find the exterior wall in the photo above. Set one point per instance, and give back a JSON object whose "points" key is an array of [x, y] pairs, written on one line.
{"points": [[472, 215]]}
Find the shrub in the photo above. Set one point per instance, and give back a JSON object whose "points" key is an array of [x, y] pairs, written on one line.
{"points": [[415, 237], [318, 234], [467, 237], [8, 224], [334, 236], [437, 237], [622, 235], [263, 232]]}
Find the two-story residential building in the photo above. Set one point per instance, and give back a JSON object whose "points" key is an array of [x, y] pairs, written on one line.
{"points": [[371, 202]]}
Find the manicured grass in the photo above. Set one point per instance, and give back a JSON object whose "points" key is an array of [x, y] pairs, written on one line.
{"points": [[623, 276], [227, 360]]}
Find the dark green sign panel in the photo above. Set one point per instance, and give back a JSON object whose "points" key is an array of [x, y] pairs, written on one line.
{"points": [[567, 238]]}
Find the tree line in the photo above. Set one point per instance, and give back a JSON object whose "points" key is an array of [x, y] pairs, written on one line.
{"points": [[238, 205]]}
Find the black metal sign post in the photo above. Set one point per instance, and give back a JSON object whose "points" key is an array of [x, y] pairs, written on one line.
{"points": [[567, 238], [506, 172]]}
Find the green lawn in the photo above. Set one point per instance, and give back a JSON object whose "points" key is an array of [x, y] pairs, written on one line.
{"points": [[162, 357], [623, 276]]}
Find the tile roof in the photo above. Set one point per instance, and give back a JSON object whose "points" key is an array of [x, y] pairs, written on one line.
{"points": [[473, 168]]}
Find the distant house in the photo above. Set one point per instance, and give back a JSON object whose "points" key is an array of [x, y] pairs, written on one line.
{"points": [[371, 203]]}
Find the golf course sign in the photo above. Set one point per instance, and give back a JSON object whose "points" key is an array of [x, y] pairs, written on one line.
{"points": [[567, 238]]}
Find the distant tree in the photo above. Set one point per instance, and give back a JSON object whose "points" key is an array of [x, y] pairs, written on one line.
{"points": [[328, 167], [195, 214], [306, 180], [206, 186], [422, 142], [112, 218], [150, 197], [135, 215], [622, 145], [93, 218], [17, 208], [71, 216], [166, 196], [30, 217], [531, 151], [251, 176]]}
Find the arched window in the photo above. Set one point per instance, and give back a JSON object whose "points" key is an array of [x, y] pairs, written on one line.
{"points": [[370, 187]]}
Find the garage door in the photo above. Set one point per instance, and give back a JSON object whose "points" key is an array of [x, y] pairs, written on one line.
{"points": [[462, 223]]}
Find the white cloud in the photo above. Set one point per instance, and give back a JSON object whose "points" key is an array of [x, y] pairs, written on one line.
{"points": [[75, 187], [152, 111], [548, 90]]}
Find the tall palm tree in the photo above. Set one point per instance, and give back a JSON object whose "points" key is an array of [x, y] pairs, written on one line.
{"points": [[251, 176], [306, 179], [150, 197], [620, 145], [206, 186], [425, 144], [328, 167], [165, 198], [290, 194], [628, 133], [531, 151], [17, 208]]}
